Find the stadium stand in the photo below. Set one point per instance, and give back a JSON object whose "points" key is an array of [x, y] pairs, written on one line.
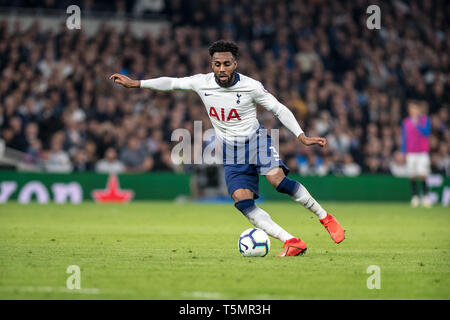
{"points": [[60, 113]]}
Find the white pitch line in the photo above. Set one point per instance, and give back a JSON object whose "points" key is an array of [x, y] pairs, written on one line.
{"points": [[50, 289], [202, 294]]}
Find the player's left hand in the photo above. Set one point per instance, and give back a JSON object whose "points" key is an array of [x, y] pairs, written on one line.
{"points": [[321, 142], [125, 81]]}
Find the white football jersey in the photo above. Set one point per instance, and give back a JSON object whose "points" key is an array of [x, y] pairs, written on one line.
{"points": [[232, 110]]}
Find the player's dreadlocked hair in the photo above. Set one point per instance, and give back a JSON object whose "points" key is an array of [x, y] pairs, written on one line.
{"points": [[224, 46]]}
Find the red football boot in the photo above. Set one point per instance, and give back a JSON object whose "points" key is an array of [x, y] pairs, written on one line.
{"points": [[293, 247], [333, 227]]}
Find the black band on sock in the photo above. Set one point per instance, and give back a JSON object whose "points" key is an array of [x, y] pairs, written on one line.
{"points": [[288, 186], [424, 187], [414, 187], [245, 206]]}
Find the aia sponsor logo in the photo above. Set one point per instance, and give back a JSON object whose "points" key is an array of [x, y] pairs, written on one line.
{"points": [[221, 115]]}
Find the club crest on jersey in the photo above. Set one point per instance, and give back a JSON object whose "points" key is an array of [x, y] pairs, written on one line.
{"points": [[231, 115], [238, 98]]}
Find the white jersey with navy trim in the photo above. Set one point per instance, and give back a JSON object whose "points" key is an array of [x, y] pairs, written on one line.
{"points": [[232, 110]]}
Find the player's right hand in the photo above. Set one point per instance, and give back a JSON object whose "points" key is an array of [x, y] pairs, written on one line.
{"points": [[125, 81], [321, 142]]}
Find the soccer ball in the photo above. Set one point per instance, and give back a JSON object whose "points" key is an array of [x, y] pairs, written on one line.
{"points": [[254, 242]]}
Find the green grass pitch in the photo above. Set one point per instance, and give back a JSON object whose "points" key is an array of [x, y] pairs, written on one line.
{"points": [[165, 250]]}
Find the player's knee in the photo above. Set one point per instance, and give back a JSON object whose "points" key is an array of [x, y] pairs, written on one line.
{"points": [[275, 176], [242, 194]]}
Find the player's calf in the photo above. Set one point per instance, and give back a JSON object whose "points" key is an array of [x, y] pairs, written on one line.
{"points": [[261, 219], [299, 194]]}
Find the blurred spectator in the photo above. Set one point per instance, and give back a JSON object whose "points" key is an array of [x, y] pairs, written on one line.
{"points": [[372, 165], [398, 166], [440, 161], [74, 138], [349, 167], [110, 164], [135, 158], [35, 155], [162, 159], [312, 166], [339, 141], [31, 133], [81, 162], [18, 140], [57, 160]]}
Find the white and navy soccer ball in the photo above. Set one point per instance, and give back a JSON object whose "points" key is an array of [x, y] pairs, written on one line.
{"points": [[254, 242]]}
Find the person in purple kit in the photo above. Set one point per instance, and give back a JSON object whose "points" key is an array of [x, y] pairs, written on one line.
{"points": [[416, 130]]}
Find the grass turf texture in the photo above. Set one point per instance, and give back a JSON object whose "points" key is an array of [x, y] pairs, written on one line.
{"points": [[164, 250]]}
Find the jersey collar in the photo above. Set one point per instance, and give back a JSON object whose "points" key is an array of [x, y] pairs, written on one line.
{"points": [[236, 79]]}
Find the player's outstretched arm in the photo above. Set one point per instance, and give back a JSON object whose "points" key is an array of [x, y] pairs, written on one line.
{"points": [[125, 81], [321, 142], [159, 84]]}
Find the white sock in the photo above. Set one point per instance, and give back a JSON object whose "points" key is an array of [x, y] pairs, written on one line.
{"points": [[302, 195], [261, 219]]}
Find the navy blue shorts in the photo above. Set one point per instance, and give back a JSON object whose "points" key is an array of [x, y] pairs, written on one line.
{"points": [[243, 173]]}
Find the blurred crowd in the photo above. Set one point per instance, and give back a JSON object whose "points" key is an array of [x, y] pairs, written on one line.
{"points": [[342, 81]]}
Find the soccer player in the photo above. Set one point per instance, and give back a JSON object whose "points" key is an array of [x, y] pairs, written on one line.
{"points": [[230, 99], [416, 130]]}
